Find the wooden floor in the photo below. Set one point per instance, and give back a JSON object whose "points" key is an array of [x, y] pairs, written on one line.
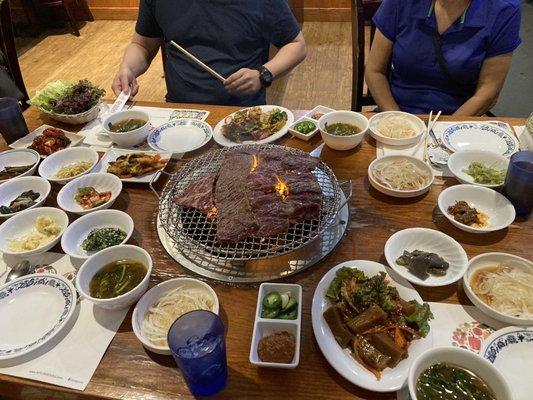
{"points": [[323, 78]]}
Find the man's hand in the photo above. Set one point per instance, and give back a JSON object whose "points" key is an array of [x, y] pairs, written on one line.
{"points": [[244, 82], [123, 80]]}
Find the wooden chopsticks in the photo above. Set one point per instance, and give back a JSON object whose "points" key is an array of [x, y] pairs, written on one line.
{"points": [[198, 62]]}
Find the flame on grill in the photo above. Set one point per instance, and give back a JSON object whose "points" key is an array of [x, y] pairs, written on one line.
{"points": [[255, 163], [281, 188], [212, 213]]}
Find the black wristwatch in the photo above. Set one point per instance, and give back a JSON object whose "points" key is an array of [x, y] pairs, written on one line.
{"points": [[265, 76]]}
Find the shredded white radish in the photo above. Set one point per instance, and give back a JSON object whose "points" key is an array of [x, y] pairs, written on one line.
{"points": [[506, 288], [171, 306], [396, 127]]}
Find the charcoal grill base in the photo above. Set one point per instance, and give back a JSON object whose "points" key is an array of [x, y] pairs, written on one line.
{"points": [[260, 270]]}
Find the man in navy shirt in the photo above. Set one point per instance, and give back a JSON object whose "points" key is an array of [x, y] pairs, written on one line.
{"points": [[449, 55], [231, 36]]}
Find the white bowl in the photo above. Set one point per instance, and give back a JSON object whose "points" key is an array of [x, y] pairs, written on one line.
{"points": [[460, 161], [76, 233], [18, 158], [131, 138], [487, 260], [431, 241], [10, 190], [464, 358], [95, 263], [500, 211], [153, 295], [51, 164], [346, 117], [417, 124], [400, 193], [23, 223], [101, 182]]}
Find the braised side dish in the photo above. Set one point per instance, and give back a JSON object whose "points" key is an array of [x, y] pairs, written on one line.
{"points": [[253, 124], [21, 202], [135, 164], [467, 215], [278, 347], [369, 317], [51, 140], [451, 382], [11, 172], [423, 264]]}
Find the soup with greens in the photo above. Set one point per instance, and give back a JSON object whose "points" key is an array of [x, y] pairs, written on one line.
{"points": [[126, 125], [117, 278], [450, 382], [342, 129]]}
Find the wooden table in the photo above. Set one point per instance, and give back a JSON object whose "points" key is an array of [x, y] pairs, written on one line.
{"points": [[128, 371]]}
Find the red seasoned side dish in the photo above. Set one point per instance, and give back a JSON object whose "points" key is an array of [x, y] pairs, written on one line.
{"points": [[51, 140]]}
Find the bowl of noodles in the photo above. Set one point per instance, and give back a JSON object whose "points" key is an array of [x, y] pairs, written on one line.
{"points": [[163, 304], [396, 128], [501, 286], [400, 176]]}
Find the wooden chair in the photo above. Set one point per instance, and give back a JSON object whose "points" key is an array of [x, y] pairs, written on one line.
{"points": [[7, 43], [72, 8], [362, 13]]}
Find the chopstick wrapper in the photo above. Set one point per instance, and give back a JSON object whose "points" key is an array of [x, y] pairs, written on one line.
{"points": [[72, 361]]}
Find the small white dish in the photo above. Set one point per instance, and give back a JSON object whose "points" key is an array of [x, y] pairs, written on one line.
{"points": [[480, 136], [395, 192], [33, 310], [153, 295], [464, 358], [341, 360], [318, 110], [303, 136], [266, 326], [499, 210], [51, 164], [510, 350], [492, 260], [27, 140], [10, 190], [461, 160], [24, 223], [101, 182], [133, 137], [19, 158], [347, 117], [431, 241], [416, 124], [180, 135], [114, 153], [97, 261], [77, 232], [224, 141]]}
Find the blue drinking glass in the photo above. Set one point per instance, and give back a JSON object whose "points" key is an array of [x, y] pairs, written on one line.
{"points": [[12, 124], [518, 187], [198, 345]]}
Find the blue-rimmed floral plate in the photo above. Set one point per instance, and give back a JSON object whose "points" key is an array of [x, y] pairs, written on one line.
{"points": [[480, 136], [511, 351], [180, 136], [33, 310]]}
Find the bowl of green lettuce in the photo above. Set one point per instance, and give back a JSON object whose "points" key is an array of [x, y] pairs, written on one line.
{"points": [[72, 103]]}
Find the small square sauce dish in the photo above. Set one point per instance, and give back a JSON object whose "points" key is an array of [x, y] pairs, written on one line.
{"points": [[277, 326], [318, 111], [304, 128]]}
